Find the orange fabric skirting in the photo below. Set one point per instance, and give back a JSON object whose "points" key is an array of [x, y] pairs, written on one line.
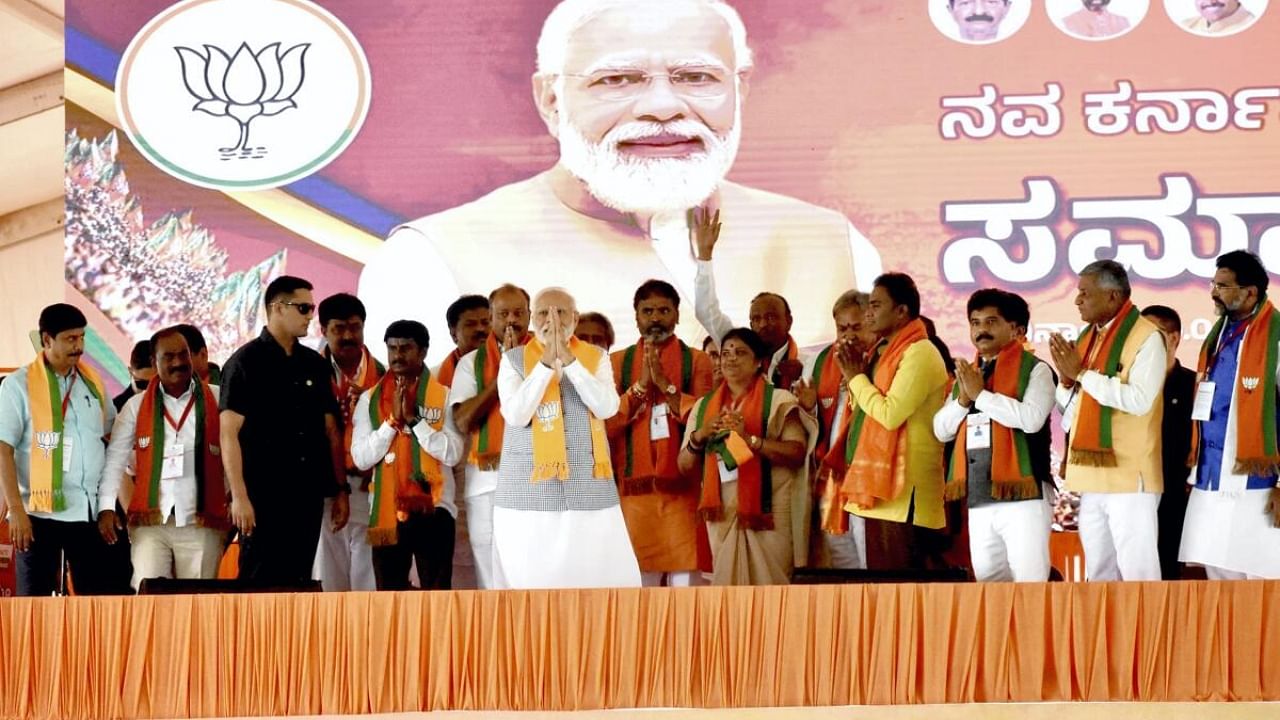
{"points": [[238, 655]]}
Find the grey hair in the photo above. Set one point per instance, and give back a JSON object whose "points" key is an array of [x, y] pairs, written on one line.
{"points": [[570, 15], [1110, 274], [850, 298], [573, 303]]}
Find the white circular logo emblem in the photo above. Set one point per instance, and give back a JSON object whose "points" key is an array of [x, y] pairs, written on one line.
{"points": [[243, 94]]}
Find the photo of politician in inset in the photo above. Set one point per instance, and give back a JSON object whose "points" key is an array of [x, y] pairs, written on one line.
{"points": [[646, 103], [1215, 18], [979, 22], [1096, 19]]}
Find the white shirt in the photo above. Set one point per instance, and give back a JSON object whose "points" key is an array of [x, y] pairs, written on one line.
{"points": [[178, 495], [477, 481], [369, 446], [1136, 397], [706, 306], [520, 396], [1028, 415]]}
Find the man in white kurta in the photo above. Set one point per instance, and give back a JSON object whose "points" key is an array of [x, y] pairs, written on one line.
{"points": [[1008, 537], [1232, 525], [646, 106], [558, 532]]}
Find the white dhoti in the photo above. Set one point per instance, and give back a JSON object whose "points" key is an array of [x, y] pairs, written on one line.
{"points": [[1119, 534], [565, 549], [1009, 541], [1231, 535]]}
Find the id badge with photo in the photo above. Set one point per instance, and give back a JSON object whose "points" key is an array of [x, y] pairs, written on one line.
{"points": [[977, 432], [658, 427], [171, 467], [1203, 406]]}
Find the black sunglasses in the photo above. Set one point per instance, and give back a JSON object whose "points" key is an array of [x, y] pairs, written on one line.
{"points": [[303, 308]]}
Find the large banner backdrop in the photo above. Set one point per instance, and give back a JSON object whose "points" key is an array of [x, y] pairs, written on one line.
{"points": [[873, 134]]}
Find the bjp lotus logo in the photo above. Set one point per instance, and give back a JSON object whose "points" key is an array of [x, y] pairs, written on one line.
{"points": [[243, 86], [547, 413], [213, 102]]}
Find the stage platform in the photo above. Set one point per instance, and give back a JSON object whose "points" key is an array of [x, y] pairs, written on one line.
{"points": [[822, 647]]}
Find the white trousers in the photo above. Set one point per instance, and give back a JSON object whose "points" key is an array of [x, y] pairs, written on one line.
{"points": [[167, 551], [480, 530], [686, 578], [1118, 532], [1009, 541], [848, 551], [344, 560]]}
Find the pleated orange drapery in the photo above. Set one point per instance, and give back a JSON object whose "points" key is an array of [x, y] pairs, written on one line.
{"points": [[237, 655]]}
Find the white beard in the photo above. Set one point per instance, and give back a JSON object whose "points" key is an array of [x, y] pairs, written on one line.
{"points": [[649, 186]]}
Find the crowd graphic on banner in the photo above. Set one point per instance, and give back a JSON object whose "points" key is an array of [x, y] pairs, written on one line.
{"points": [[736, 466]]}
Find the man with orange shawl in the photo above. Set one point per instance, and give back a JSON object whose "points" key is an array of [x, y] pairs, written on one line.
{"points": [[556, 517], [168, 438], [344, 560], [1111, 389], [839, 538], [1232, 526], [54, 416], [658, 378], [477, 415], [998, 414], [468, 321], [404, 434], [894, 475]]}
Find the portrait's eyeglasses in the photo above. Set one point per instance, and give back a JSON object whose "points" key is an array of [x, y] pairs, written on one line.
{"points": [[1219, 286], [303, 308], [696, 82]]}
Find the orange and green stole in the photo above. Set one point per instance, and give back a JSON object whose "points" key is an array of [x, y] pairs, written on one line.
{"points": [[550, 454], [407, 479], [641, 472], [46, 430], [755, 484], [448, 368], [1091, 441], [348, 393], [1012, 477], [875, 455], [827, 379], [1255, 392], [486, 443], [148, 449]]}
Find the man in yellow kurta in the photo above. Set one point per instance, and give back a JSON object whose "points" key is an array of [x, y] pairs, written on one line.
{"points": [[895, 473]]}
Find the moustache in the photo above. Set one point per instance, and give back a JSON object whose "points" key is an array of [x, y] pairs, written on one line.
{"points": [[982, 337], [640, 130], [981, 17], [180, 369], [347, 343]]}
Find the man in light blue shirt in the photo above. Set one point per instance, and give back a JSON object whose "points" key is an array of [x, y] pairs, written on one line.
{"points": [[42, 536]]}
